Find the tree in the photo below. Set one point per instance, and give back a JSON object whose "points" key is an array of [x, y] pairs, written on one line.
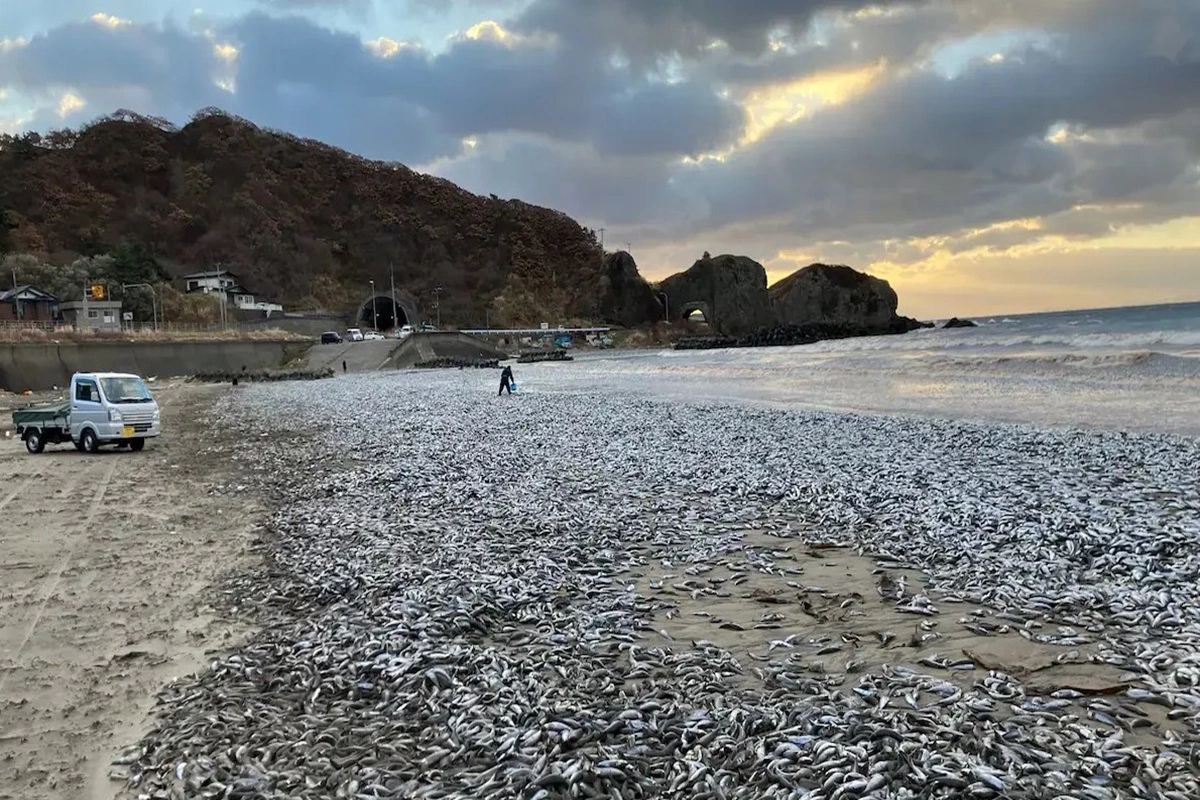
{"points": [[66, 282], [90, 241], [7, 226], [133, 262]]}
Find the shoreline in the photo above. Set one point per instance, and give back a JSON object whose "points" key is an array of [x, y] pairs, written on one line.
{"points": [[1135, 394]]}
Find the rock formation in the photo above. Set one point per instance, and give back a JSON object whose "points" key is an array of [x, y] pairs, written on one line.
{"points": [[840, 297], [626, 298], [731, 292], [955, 322]]}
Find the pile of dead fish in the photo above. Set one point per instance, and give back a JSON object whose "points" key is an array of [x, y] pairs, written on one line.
{"points": [[450, 362], [449, 606], [536, 356], [264, 375]]}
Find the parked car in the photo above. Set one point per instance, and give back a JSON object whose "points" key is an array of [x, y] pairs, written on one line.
{"points": [[101, 408], [354, 334], [404, 332], [331, 337], [373, 335], [426, 327]]}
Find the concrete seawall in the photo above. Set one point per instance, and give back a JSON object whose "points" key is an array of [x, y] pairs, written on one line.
{"points": [[443, 344], [38, 366]]}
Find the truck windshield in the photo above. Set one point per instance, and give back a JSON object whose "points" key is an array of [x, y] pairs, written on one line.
{"points": [[126, 390]]}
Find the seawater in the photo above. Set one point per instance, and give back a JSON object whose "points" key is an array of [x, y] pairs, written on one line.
{"points": [[1134, 368]]}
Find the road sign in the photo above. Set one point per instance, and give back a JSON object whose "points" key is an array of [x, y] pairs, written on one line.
{"points": [[127, 316], [96, 291]]}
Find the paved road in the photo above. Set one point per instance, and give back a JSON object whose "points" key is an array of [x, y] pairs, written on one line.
{"points": [[366, 356]]}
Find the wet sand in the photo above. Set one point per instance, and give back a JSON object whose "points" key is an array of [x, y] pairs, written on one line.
{"points": [[790, 610]]}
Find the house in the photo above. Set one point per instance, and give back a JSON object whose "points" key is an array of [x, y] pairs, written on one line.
{"points": [[92, 315], [27, 304], [248, 302], [219, 280], [224, 281]]}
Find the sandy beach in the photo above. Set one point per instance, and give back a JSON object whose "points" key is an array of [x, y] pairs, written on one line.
{"points": [[108, 569], [447, 594]]}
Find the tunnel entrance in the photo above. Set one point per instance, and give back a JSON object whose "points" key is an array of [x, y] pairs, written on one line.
{"points": [[382, 313]]}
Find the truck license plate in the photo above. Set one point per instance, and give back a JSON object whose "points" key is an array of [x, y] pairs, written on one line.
{"points": [[127, 430]]}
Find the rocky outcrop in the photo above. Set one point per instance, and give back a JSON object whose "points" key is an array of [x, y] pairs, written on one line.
{"points": [[955, 322], [626, 298], [838, 297], [731, 292]]}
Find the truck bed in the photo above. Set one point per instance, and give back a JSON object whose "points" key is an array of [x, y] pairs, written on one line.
{"points": [[43, 414]]}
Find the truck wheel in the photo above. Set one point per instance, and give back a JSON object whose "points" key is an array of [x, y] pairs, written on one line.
{"points": [[34, 442], [137, 445], [88, 441]]}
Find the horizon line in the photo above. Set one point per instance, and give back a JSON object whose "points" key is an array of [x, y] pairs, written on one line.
{"points": [[1076, 310]]}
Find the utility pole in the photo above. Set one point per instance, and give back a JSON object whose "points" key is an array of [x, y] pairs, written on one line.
{"points": [[437, 305], [374, 309], [395, 305], [601, 231], [16, 300]]}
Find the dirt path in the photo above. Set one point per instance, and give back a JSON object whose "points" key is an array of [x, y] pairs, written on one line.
{"points": [[105, 562]]}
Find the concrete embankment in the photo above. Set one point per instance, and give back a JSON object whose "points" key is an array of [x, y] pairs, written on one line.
{"points": [[449, 344], [368, 356], [36, 366]]}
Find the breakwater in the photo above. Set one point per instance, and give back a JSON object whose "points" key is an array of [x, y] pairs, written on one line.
{"points": [[40, 366], [785, 335], [445, 347]]}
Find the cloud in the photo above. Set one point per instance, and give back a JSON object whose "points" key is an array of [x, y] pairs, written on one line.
{"points": [[922, 153], [286, 67], [644, 29], [884, 133]]}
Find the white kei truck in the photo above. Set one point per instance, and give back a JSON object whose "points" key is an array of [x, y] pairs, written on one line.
{"points": [[101, 408]]}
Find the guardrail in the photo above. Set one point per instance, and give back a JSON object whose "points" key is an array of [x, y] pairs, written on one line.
{"points": [[531, 331], [180, 327]]}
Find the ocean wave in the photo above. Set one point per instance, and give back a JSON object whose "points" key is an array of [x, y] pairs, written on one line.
{"points": [[984, 338], [1185, 361]]}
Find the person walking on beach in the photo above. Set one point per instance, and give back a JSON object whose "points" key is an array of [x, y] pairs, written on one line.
{"points": [[343, 365], [506, 381]]}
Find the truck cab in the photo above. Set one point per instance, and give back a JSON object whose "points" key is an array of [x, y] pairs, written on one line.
{"points": [[111, 408]]}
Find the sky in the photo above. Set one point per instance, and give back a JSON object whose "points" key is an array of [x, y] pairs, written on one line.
{"points": [[984, 156]]}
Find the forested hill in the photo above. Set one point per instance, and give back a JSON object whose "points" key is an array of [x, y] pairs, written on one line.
{"points": [[300, 221]]}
